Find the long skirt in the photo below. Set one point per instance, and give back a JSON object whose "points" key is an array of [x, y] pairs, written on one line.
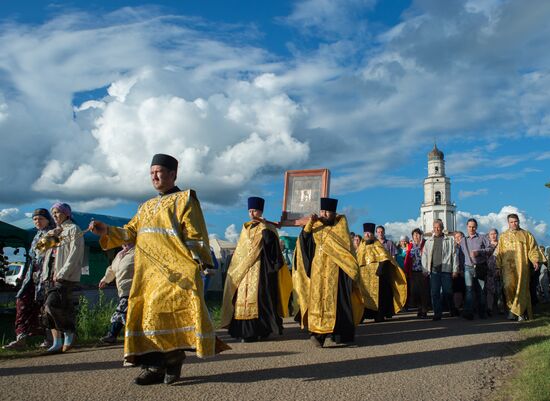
{"points": [[59, 307]]}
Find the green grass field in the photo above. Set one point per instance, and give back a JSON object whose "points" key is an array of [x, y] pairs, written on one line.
{"points": [[530, 380]]}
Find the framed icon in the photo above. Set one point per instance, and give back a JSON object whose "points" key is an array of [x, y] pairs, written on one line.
{"points": [[303, 190]]}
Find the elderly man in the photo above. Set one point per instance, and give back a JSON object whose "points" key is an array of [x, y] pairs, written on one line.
{"points": [[517, 251], [387, 243], [384, 282], [167, 313], [258, 283], [325, 277], [476, 250], [440, 262]]}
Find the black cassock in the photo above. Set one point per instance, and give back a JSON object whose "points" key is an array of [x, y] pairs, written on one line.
{"points": [[268, 321], [344, 327], [385, 294]]}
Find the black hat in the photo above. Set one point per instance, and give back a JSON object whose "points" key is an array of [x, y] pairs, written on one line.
{"points": [[329, 204], [255, 202], [42, 212], [166, 161], [369, 227]]}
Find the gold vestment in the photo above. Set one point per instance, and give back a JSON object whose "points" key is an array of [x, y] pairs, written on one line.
{"points": [[369, 256], [244, 273], [166, 307], [514, 251], [317, 294]]}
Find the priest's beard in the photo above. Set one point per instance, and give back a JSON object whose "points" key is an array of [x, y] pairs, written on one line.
{"points": [[328, 221]]}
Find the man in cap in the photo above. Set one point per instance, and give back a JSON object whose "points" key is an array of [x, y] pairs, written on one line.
{"points": [[167, 313], [384, 283], [258, 283], [325, 278]]}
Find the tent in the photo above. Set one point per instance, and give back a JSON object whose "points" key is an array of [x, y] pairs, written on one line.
{"points": [[13, 236], [223, 250]]}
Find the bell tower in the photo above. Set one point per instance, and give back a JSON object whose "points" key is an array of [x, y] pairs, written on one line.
{"points": [[437, 195]]}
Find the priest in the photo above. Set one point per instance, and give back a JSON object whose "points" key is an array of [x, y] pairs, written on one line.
{"points": [[384, 283], [258, 283], [167, 313], [326, 278], [518, 256]]}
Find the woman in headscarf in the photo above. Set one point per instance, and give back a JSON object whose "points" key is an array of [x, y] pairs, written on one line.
{"points": [[60, 278], [27, 301]]}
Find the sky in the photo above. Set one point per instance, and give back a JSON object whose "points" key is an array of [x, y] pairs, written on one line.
{"points": [[240, 93]]}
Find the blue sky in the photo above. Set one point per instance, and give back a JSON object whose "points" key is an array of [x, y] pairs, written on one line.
{"points": [[241, 93]]}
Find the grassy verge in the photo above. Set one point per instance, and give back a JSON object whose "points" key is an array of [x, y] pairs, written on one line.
{"points": [[92, 322], [530, 380]]}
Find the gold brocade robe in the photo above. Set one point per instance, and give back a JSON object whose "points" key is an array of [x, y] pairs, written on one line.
{"points": [[317, 294], [243, 277], [369, 256], [166, 307], [514, 251]]}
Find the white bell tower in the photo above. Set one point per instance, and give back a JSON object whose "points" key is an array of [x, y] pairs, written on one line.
{"points": [[437, 195]]}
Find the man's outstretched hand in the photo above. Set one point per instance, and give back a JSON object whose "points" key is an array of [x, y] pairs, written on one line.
{"points": [[98, 228]]}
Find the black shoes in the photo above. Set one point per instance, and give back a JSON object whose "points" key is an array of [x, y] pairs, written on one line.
{"points": [[173, 374], [468, 316], [150, 376], [108, 339], [316, 342], [422, 315], [436, 318]]}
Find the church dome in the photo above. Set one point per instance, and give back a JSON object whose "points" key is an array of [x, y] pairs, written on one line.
{"points": [[435, 154]]}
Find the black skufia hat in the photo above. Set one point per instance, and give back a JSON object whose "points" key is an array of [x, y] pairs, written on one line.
{"points": [[369, 227], [166, 161], [329, 204], [255, 202]]}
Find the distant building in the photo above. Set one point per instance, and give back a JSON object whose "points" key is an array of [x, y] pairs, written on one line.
{"points": [[437, 195]]}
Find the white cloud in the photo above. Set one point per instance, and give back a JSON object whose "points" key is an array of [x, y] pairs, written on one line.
{"points": [[194, 101], [95, 204], [486, 222], [282, 233], [236, 115], [498, 220], [329, 18], [231, 233], [10, 214], [396, 229], [468, 194]]}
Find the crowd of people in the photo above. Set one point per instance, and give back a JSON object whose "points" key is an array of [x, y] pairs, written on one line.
{"points": [[475, 276], [338, 279]]}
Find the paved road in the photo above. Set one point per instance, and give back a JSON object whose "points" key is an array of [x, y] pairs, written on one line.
{"points": [[403, 359]]}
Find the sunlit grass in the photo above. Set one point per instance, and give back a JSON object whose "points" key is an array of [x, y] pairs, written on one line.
{"points": [[530, 380]]}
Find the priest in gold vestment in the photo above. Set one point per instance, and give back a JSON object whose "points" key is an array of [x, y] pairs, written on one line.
{"points": [[326, 277], [258, 283], [516, 252], [167, 313], [384, 283]]}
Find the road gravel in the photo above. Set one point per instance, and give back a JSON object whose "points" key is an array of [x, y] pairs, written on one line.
{"points": [[401, 359]]}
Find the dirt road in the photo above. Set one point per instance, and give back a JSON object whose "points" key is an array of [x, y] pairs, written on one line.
{"points": [[402, 359]]}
